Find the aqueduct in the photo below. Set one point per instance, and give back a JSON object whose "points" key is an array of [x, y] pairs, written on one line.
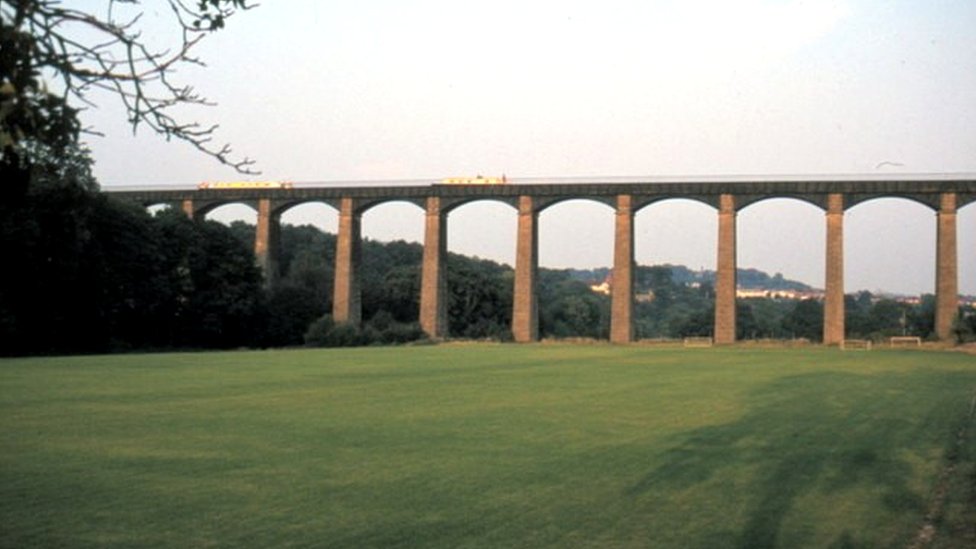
{"points": [[944, 195]]}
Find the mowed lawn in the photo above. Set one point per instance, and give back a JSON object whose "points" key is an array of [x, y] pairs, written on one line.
{"points": [[486, 445]]}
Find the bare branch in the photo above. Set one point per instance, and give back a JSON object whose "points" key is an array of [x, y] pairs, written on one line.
{"points": [[83, 52]]}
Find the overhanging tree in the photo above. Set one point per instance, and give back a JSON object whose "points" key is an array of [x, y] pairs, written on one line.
{"points": [[52, 57]]}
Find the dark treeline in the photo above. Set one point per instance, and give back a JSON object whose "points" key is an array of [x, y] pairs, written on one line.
{"points": [[85, 273]]}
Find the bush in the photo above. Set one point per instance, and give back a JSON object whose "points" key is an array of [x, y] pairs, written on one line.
{"points": [[400, 332], [345, 334], [291, 310], [325, 332], [318, 332], [964, 327]]}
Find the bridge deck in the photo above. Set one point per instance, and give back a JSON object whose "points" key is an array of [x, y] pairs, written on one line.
{"points": [[924, 189]]}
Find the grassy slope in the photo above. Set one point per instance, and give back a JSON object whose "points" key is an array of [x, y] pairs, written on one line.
{"points": [[478, 446]]}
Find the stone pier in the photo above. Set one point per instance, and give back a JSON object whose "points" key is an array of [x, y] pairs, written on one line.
{"points": [[525, 312], [833, 328], [946, 269], [433, 284], [266, 241], [188, 208], [346, 300], [725, 276], [622, 297]]}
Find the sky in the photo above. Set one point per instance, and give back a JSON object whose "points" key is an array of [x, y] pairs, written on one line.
{"points": [[319, 91]]}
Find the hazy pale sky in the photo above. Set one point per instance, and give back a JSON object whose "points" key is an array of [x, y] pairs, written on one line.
{"points": [[338, 91]]}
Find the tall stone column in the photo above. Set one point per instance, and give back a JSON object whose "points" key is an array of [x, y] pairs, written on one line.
{"points": [[725, 277], [622, 289], [525, 313], [833, 328], [188, 208], [346, 300], [266, 239], [433, 285], [946, 269]]}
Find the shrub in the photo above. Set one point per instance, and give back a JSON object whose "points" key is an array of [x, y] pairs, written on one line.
{"points": [[318, 331], [402, 332], [325, 332]]}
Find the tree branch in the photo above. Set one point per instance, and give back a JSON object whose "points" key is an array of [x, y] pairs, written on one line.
{"points": [[83, 51]]}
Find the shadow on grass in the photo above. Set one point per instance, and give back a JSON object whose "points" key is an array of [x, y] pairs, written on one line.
{"points": [[822, 432]]}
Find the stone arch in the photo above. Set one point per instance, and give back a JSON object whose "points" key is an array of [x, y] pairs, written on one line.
{"points": [[397, 210], [240, 209], [303, 213], [364, 205], [449, 205], [965, 199], [641, 202], [544, 203], [283, 207], [930, 200], [743, 202]]}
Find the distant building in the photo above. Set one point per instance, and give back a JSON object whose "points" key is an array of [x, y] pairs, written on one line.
{"points": [[764, 293], [603, 287]]}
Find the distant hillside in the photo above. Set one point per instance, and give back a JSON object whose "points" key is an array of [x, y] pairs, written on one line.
{"points": [[747, 278]]}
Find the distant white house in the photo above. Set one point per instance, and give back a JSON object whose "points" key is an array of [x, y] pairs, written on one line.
{"points": [[759, 293]]}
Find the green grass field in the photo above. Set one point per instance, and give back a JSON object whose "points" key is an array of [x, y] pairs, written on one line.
{"points": [[486, 446]]}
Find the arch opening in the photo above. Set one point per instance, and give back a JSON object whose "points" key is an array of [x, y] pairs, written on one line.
{"points": [[676, 231], [966, 242], [675, 243], [480, 284], [966, 234], [241, 218], [230, 212], [483, 229], [390, 268], [890, 247], [785, 238], [575, 253], [321, 215], [306, 260], [156, 209], [576, 234], [890, 268], [781, 270]]}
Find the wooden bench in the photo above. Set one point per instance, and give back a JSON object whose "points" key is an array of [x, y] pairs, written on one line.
{"points": [[905, 341], [856, 345], [697, 342]]}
